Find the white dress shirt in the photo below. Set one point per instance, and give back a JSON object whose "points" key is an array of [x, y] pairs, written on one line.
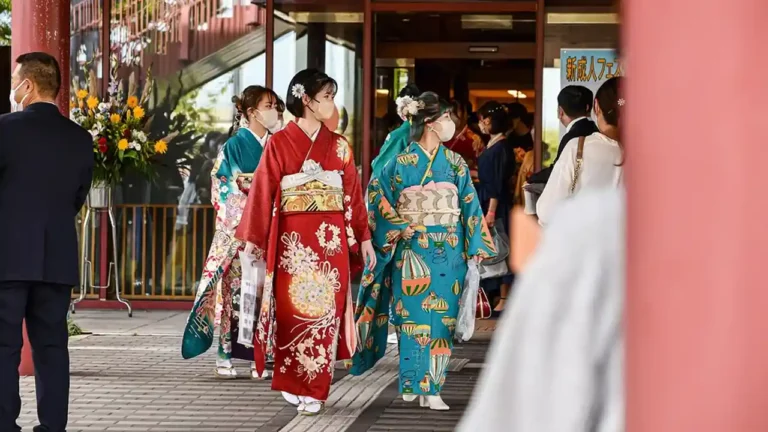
{"points": [[600, 169], [573, 122]]}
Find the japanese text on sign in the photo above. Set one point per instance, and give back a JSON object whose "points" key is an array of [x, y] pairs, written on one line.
{"points": [[591, 68]]}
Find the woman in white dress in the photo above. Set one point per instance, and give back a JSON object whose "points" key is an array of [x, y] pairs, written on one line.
{"points": [[596, 163]]}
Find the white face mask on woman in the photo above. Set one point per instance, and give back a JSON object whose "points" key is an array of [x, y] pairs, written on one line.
{"points": [[447, 130], [324, 110], [269, 119]]}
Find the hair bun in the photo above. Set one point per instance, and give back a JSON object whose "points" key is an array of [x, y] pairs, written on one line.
{"points": [[238, 103]]}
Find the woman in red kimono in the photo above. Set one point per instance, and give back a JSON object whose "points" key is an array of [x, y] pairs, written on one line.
{"points": [[305, 216], [466, 143]]}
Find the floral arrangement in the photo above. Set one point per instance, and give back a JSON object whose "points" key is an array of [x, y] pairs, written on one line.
{"points": [[119, 127], [408, 107]]}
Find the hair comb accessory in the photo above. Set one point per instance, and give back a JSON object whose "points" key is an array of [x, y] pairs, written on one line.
{"points": [[298, 90]]}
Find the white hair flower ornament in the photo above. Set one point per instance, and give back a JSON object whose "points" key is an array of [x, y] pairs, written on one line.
{"points": [[298, 90], [408, 107], [621, 102]]}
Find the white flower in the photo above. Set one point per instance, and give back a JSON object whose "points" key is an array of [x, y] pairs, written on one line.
{"points": [[333, 245], [99, 116], [94, 132], [297, 90], [140, 136], [621, 102], [407, 106], [137, 146], [350, 236], [104, 106]]}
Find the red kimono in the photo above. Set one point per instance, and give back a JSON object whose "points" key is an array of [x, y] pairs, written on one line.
{"points": [[469, 146], [306, 215]]}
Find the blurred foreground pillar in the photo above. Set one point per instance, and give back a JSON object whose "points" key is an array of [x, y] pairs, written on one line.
{"points": [[41, 25], [697, 356]]}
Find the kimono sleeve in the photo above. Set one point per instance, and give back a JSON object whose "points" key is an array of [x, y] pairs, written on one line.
{"points": [[477, 237], [355, 217], [255, 222], [387, 226], [224, 172]]}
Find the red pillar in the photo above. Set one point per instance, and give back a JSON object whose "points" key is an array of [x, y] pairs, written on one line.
{"points": [[697, 358], [42, 25]]}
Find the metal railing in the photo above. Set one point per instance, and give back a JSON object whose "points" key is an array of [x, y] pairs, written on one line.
{"points": [[161, 251]]}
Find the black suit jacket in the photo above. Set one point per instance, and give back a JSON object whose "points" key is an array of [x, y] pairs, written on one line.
{"points": [[582, 128], [46, 168]]}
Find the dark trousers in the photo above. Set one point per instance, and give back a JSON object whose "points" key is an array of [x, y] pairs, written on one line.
{"points": [[45, 307]]}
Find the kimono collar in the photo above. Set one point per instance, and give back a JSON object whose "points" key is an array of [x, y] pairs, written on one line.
{"points": [[426, 153], [261, 140], [297, 134]]}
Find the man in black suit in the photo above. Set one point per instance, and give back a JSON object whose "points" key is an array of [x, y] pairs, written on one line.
{"points": [[46, 167], [574, 105]]}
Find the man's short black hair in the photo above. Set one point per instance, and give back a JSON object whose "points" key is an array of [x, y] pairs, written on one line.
{"points": [[43, 70], [516, 110], [576, 101]]}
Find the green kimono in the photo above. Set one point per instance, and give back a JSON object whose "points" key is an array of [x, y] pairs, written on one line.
{"points": [[240, 156], [422, 277], [396, 142]]}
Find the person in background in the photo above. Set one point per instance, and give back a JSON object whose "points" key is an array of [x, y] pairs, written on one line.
{"points": [[466, 143], [557, 361], [574, 104], [256, 118], [306, 218], [398, 139], [427, 223], [495, 166], [524, 156], [600, 155], [46, 169]]}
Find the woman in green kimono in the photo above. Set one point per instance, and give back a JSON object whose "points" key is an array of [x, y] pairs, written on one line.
{"points": [[427, 223], [256, 119], [398, 139]]}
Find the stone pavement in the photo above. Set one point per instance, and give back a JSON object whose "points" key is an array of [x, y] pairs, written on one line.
{"points": [[128, 375]]}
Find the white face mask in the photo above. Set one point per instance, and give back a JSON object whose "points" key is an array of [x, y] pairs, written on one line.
{"points": [[324, 110], [269, 119], [17, 106], [447, 130]]}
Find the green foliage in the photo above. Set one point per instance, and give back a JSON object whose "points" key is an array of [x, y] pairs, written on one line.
{"points": [[73, 329], [5, 22]]}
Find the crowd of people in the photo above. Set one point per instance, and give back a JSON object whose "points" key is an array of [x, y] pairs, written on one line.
{"points": [[442, 189], [289, 201]]}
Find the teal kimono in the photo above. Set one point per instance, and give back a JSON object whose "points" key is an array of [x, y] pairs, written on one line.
{"points": [[231, 176], [419, 281], [396, 142]]}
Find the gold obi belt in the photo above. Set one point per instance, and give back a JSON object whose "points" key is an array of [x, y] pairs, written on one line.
{"points": [[244, 182], [314, 196], [433, 204]]}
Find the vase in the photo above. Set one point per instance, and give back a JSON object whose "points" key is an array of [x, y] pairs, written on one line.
{"points": [[100, 196]]}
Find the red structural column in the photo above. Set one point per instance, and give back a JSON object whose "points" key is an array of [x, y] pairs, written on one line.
{"points": [[697, 264], [42, 25]]}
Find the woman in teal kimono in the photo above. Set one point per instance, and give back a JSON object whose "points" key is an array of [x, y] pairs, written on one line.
{"points": [[256, 119], [426, 223], [398, 139]]}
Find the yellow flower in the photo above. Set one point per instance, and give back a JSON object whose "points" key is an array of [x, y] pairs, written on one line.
{"points": [[93, 102], [161, 147], [138, 112], [133, 102], [123, 144], [82, 94], [114, 118]]}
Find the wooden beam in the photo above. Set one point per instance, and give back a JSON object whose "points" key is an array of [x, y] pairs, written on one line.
{"points": [[456, 50], [368, 71], [446, 6], [270, 42], [538, 122]]}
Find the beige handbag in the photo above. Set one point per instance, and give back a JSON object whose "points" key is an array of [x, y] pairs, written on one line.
{"points": [[579, 162]]}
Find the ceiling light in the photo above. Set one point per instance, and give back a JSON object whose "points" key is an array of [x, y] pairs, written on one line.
{"points": [[382, 92], [517, 94]]}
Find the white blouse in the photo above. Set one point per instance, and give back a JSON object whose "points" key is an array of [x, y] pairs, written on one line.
{"points": [[599, 170]]}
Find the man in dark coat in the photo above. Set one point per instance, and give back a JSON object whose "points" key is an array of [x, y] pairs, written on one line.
{"points": [[46, 167], [574, 105]]}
